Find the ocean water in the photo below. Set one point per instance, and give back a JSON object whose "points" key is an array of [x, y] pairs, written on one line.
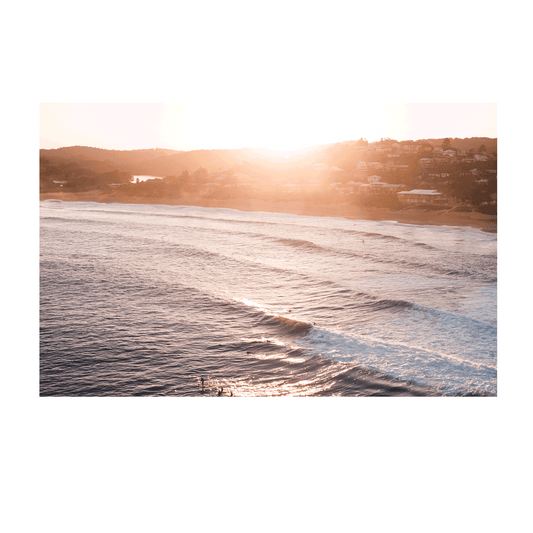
{"points": [[145, 300]]}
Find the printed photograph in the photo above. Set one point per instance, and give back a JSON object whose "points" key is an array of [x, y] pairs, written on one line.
{"points": [[201, 250]]}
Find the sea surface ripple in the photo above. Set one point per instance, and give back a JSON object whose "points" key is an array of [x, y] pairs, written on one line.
{"points": [[146, 300]]}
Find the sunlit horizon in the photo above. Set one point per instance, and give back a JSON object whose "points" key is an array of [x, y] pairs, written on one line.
{"points": [[275, 128]]}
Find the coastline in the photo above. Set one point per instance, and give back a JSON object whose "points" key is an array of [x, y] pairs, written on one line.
{"points": [[417, 216]]}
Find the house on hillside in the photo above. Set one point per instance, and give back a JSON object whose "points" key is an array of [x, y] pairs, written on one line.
{"points": [[407, 148], [375, 183], [361, 170], [426, 162], [390, 187], [420, 196]]}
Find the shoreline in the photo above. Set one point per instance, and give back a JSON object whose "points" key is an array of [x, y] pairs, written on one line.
{"points": [[417, 216]]}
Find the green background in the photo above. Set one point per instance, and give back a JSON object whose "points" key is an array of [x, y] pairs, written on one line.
{"points": [[259, 474]]}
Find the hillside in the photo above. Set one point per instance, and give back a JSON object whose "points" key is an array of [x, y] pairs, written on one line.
{"points": [[165, 162], [152, 162], [471, 143]]}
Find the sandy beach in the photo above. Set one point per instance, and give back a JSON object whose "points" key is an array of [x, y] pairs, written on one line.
{"points": [[409, 215]]}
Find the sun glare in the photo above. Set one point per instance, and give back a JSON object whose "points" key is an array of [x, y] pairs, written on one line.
{"points": [[280, 127]]}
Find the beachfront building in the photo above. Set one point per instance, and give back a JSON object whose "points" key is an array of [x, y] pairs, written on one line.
{"points": [[420, 196]]}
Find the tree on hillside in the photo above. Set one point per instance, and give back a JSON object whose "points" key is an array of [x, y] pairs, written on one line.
{"points": [[477, 195], [446, 144], [200, 174], [482, 148]]}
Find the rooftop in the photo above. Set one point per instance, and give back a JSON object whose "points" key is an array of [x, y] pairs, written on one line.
{"points": [[428, 192]]}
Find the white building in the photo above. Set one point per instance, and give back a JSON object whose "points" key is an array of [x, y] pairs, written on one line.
{"points": [[426, 162], [410, 147], [419, 196], [374, 184]]}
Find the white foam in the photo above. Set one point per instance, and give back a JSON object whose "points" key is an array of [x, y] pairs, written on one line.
{"points": [[445, 371]]}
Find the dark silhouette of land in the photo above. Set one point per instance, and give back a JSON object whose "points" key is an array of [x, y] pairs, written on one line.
{"points": [[354, 179]]}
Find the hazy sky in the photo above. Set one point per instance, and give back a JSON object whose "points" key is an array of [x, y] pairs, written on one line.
{"points": [[277, 125]]}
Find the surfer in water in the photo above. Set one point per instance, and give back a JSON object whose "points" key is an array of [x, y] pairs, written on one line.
{"points": [[220, 391]]}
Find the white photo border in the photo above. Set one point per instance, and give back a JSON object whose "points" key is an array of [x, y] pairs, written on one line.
{"points": [[30, 96]]}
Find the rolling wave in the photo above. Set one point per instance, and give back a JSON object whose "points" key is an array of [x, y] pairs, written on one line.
{"points": [[132, 305]]}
